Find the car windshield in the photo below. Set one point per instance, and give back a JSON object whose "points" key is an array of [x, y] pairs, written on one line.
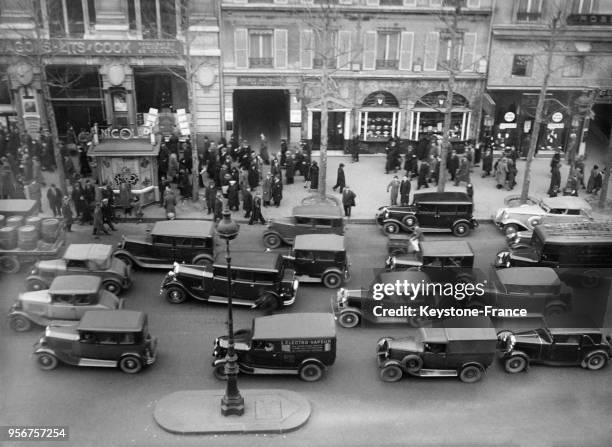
{"points": [[544, 335]]}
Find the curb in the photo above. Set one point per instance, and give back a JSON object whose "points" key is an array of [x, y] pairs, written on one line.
{"points": [[362, 221]]}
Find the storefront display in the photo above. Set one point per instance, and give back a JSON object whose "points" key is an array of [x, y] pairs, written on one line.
{"points": [[379, 117], [427, 117]]}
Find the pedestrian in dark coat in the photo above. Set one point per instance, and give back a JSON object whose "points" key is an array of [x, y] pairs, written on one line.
{"points": [[463, 171], [314, 175], [210, 194], [263, 150], [98, 221], [354, 148], [284, 148], [66, 212], [89, 192], [233, 196], [256, 212], [290, 168], [405, 191], [555, 181], [218, 207], [340, 178], [35, 193], [125, 197], [595, 181], [348, 200], [109, 194], [55, 197], [555, 160], [277, 191], [393, 186], [267, 190], [511, 175], [247, 202], [78, 198], [423, 175], [253, 177], [487, 163], [107, 214], [170, 203], [453, 164]]}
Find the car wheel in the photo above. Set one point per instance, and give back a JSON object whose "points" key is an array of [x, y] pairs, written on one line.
{"points": [[311, 372], [332, 280], [412, 363], [112, 286], [410, 221], [554, 311], [35, 284], [9, 264], [175, 295], [596, 361], [510, 229], [515, 364], [391, 373], [204, 262], [46, 361], [130, 364], [391, 228], [219, 372], [19, 323], [461, 229], [126, 260], [470, 374], [272, 241], [349, 319]]}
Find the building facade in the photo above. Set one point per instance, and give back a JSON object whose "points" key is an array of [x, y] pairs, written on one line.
{"points": [[579, 93]]}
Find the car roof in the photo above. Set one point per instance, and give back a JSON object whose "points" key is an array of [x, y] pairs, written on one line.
{"points": [[446, 248], [185, 228], [532, 276], [84, 252], [75, 284], [570, 202], [318, 211], [319, 242], [443, 335], [295, 325], [252, 260], [410, 276], [441, 197], [16, 206], [112, 321], [576, 232]]}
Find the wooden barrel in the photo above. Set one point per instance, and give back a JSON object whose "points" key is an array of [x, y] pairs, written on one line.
{"points": [[14, 221], [48, 229], [27, 237], [35, 221], [8, 238]]}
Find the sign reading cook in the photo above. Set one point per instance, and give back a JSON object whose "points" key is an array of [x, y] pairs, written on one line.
{"points": [[77, 47]]}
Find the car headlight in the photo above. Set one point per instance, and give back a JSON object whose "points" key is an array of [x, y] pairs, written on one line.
{"points": [[175, 268], [295, 285], [342, 295]]}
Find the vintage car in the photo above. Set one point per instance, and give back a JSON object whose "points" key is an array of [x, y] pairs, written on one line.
{"points": [[68, 298], [522, 239], [104, 339], [305, 219], [441, 260], [298, 343], [526, 217], [256, 276], [455, 350], [320, 258], [170, 241], [586, 347], [431, 212], [83, 259]]}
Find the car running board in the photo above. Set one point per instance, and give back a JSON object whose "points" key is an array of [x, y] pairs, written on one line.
{"points": [[437, 373], [97, 362]]}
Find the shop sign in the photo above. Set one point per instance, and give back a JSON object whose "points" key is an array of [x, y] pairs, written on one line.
{"points": [[261, 81], [557, 117], [589, 19], [509, 117], [555, 125], [80, 47], [604, 97], [125, 133], [507, 126]]}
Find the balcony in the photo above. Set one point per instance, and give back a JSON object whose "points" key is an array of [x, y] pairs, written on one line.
{"points": [[318, 63], [261, 62], [387, 64], [528, 16]]}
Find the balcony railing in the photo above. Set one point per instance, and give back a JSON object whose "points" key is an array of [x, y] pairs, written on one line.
{"points": [[387, 63], [261, 62], [318, 63], [528, 16]]}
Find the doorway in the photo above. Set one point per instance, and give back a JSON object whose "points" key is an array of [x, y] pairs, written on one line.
{"points": [[262, 111], [335, 131]]}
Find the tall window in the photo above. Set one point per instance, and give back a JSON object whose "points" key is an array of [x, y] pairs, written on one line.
{"points": [[529, 10], [582, 6], [573, 66], [325, 50], [387, 50], [157, 18], [446, 59], [521, 65], [65, 18], [260, 49]]}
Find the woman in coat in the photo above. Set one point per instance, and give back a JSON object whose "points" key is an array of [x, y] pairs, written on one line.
{"points": [[66, 212], [340, 179], [277, 191], [501, 172], [290, 168], [267, 190], [233, 197], [169, 203], [555, 181], [314, 175], [487, 164], [173, 168], [253, 177]]}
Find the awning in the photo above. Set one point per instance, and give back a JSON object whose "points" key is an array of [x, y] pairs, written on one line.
{"points": [[488, 105], [124, 148]]}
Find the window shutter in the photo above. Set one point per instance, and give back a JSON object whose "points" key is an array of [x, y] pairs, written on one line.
{"points": [[469, 50], [432, 44], [369, 50], [372, 2], [280, 48], [241, 48], [473, 3], [344, 50], [406, 49], [306, 48]]}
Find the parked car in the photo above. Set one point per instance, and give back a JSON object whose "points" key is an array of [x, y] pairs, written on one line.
{"points": [[170, 241], [512, 219], [255, 276], [320, 258], [431, 212], [443, 261], [81, 259], [305, 219], [450, 351], [522, 239], [68, 298], [103, 339], [301, 343], [589, 348]]}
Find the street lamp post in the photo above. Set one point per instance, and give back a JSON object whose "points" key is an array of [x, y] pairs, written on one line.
{"points": [[232, 402]]}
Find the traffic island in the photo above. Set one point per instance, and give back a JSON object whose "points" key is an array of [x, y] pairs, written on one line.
{"points": [[199, 412]]}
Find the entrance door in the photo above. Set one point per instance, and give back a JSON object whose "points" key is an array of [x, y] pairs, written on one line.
{"points": [[335, 130], [262, 111]]}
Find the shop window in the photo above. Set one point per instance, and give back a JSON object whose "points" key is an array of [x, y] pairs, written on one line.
{"points": [[150, 10], [387, 50], [529, 10], [521, 65], [162, 88], [260, 49], [573, 66], [582, 6], [74, 82]]}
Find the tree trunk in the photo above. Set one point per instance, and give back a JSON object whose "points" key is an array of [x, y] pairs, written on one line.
{"points": [[606, 180], [446, 131], [194, 143]]}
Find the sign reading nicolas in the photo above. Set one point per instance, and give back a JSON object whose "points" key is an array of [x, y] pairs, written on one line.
{"points": [[79, 47]]}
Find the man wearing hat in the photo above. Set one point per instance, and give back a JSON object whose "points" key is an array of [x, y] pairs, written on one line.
{"points": [[107, 214]]}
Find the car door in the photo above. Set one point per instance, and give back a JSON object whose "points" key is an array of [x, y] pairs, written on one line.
{"points": [[435, 355], [244, 289], [265, 354], [303, 225], [106, 346], [322, 226], [427, 215], [447, 214], [304, 262], [566, 348], [162, 250], [62, 308], [183, 249]]}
